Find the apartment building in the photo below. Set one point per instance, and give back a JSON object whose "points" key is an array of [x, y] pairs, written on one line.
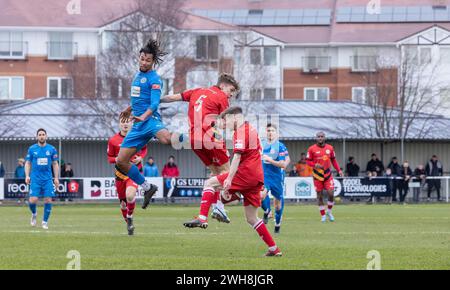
{"points": [[280, 49]]}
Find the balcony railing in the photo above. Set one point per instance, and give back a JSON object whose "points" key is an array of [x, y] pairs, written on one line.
{"points": [[61, 50], [316, 64], [366, 63], [13, 49]]}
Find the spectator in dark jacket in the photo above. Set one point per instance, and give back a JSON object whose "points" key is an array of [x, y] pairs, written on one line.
{"points": [[352, 169], [2, 170], [406, 174], [20, 169], [375, 165], [434, 168], [396, 172], [420, 178], [293, 172], [68, 171]]}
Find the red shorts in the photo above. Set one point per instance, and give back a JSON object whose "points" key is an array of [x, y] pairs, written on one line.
{"points": [[321, 185], [251, 195], [216, 156], [122, 185]]}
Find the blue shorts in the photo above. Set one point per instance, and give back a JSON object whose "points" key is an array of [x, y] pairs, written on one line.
{"points": [[142, 132], [42, 188], [276, 189]]}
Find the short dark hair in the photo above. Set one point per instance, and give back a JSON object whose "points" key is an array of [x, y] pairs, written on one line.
{"points": [[350, 158], [151, 157], [373, 154], [41, 130], [270, 125], [171, 156], [225, 78], [231, 111], [153, 47]]}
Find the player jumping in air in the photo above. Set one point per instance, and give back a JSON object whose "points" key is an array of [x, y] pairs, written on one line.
{"points": [[145, 98], [126, 188], [320, 157], [275, 161], [245, 176], [41, 159], [205, 105]]}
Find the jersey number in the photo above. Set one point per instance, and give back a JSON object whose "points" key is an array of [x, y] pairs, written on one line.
{"points": [[199, 103]]}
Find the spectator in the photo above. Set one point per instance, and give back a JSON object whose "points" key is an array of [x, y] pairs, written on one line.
{"points": [[302, 168], [150, 168], [2, 170], [388, 175], [68, 171], [375, 165], [406, 174], [421, 176], [20, 169], [352, 168], [434, 168], [396, 172], [170, 170], [293, 172]]}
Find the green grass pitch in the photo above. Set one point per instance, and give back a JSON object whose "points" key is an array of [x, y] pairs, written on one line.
{"points": [[407, 237]]}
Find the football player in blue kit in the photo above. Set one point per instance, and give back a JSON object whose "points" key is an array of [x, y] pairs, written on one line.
{"points": [[41, 160], [275, 161], [145, 98]]}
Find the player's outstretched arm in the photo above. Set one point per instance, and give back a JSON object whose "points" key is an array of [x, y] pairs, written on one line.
{"points": [[171, 98], [233, 169]]}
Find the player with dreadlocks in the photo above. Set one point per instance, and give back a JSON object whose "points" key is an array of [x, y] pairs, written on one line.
{"points": [[145, 98]]}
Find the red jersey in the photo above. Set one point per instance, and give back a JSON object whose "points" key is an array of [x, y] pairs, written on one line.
{"points": [[205, 104], [114, 147], [325, 156], [246, 142]]}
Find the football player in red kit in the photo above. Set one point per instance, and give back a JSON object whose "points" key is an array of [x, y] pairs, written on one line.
{"points": [[245, 176], [205, 105], [320, 157], [126, 188]]}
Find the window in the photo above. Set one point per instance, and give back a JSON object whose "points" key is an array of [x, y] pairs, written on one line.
{"points": [[255, 94], [207, 47], [11, 88], [445, 96], [425, 55], [11, 45], [60, 88], [61, 45], [266, 54], [445, 55], [255, 56], [363, 95], [317, 94], [270, 56], [270, 94], [364, 59]]}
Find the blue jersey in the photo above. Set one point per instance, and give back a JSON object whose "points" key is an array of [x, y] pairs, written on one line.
{"points": [[277, 151], [146, 93], [41, 159]]}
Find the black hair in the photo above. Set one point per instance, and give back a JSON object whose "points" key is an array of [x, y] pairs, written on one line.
{"points": [[171, 156], [153, 47], [41, 130], [270, 125], [231, 111]]}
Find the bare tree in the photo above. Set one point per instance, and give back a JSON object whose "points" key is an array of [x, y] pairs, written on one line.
{"points": [[401, 97]]}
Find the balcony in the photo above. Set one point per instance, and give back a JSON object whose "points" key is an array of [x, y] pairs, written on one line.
{"points": [[367, 63], [61, 50], [316, 64], [13, 50]]}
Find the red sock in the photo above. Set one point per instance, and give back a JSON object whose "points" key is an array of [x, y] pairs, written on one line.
{"points": [[217, 196], [330, 205], [322, 210], [208, 197], [130, 208], [261, 228], [123, 209]]}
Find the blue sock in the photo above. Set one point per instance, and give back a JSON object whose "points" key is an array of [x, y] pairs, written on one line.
{"points": [[135, 175], [266, 204], [279, 213], [32, 208], [47, 211]]}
